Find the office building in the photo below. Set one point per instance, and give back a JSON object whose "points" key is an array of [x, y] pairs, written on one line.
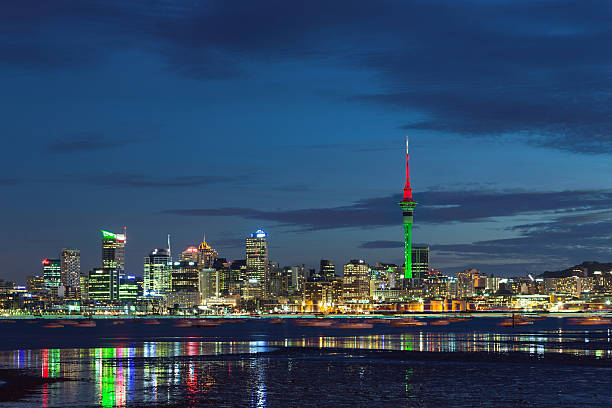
{"points": [[327, 270], [52, 273], [113, 261], [257, 260], [356, 281], [71, 269], [157, 278], [420, 262]]}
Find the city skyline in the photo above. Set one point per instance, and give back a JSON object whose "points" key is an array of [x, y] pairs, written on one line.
{"points": [[177, 119]]}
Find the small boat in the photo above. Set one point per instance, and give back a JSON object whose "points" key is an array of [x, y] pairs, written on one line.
{"points": [[275, 321], [53, 326], [515, 321], [151, 321], [206, 323], [441, 322], [590, 321], [87, 323], [406, 322], [118, 322], [313, 323], [353, 326]]}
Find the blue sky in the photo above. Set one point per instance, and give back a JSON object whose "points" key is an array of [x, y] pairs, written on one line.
{"points": [[224, 117]]}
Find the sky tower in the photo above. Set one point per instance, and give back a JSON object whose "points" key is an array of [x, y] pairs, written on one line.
{"points": [[407, 205]]}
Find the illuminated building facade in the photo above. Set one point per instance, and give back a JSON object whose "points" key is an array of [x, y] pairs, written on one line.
{"points": [[257, 260], [157, 277], [113, 260], [206, 255], [356, 281], [185, 276], [71, 269], [420, 262], [100, 285], [52, 274]]}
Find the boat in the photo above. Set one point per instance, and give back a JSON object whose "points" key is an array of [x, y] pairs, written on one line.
{"points": [[313, 323], [353, 326], [87, 323], [151, 321], [53, 325], [406, 322]]}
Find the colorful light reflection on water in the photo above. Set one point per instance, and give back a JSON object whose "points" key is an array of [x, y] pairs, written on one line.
{"points": [[163, 372]]}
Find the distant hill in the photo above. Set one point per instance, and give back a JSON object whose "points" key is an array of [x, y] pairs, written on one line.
{"points": [[590, 266]]}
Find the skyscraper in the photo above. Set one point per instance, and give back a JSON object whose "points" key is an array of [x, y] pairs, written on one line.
{"points": [[52, 272], [407, 204], [420, 262], [328, 270], [71, 269], [206, 255], [356, 281], [157, 272], [113, 260], [257, 259]]}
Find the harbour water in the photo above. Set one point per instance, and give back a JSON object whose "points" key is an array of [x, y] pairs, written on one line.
{"points": [[265, 363]]}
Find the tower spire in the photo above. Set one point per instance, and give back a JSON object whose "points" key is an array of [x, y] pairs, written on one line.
{"points": [[407, 189]]}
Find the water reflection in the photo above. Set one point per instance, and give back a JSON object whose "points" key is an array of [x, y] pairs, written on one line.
{"points": [[579, 343], [160, 372]]}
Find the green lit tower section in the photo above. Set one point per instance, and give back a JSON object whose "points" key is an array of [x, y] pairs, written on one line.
{"points": [[407, 205]]}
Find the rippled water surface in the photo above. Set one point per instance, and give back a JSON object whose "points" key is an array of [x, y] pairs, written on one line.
{"points": [[282, 365]]}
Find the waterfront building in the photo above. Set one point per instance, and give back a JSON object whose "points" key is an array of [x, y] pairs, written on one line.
{"points": [[71, 270], [257, 268], [157, 279], [319, 295], [356, 281], [52, 273], [36, 285], [113, 260]]}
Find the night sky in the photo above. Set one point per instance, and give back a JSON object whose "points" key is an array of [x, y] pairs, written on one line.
{"points": [[221, 117]]}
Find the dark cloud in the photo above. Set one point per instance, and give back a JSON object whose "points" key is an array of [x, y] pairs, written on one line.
{"points": [[143, 181], [537, 71], [9, 181], [442, 207], [88, 142], [381, 244]]}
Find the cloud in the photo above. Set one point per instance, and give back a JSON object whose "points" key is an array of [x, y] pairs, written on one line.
{"points": [[9, 181], [442, 207], [143, 181], [88, 142], [381, 244], [535, 71]]}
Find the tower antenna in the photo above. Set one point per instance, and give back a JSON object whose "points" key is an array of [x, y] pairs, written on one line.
{"points": [[169, 250]]}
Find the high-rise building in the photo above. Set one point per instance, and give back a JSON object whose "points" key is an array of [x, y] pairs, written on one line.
{"points": [[420, 262], [257, 260], [356, 281], [100, 285], [113, 260], [52, 273], [407, 204], [71, 269], [185, 276], [128, 288], [157, 273], [209, 283], [206, 255], [328, 270]]}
